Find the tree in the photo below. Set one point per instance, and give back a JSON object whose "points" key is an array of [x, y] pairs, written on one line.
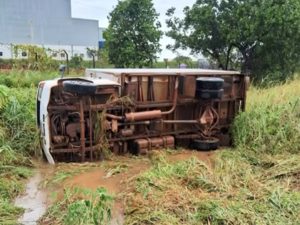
{"points": [[133, 34], [183, 59], [34, 57], [263, 35]]}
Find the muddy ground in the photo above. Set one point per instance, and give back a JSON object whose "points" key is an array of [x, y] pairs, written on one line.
{"points": [[48, 182]]}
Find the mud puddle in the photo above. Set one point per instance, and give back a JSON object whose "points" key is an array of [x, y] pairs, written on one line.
{"points": [[110, 179], [34, 200], [113, 178]]}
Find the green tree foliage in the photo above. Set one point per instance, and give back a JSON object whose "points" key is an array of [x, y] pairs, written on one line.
{"points": [[262, 36], [184, 59], [133, 34], [76, 62]]}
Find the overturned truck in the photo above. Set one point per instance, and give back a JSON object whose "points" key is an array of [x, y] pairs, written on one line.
{"points": [[137, 110]]}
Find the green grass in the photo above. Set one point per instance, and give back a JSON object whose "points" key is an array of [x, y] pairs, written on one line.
{"points": [[271, 121], [24, 79], [30, 78], [81, 207], [232, 192]]}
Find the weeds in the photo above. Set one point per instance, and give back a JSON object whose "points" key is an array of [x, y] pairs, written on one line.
{"points": [[81, 207], [233, 192], [18, 139], [25, 78], [18, 117], [8, 212], [271, 123]]}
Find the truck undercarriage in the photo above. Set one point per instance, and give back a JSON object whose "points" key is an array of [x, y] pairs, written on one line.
{"points": [[146, 111]]}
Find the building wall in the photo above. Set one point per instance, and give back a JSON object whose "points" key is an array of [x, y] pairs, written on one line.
{"points": [[7, 51], [45, 23]]}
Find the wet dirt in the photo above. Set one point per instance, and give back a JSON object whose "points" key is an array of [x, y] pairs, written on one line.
{"points": [[101, 177]]}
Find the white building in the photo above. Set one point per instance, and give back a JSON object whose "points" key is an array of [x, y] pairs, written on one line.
{"points": [[46, 23]]}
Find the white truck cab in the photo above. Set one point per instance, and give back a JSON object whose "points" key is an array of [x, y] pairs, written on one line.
{"points": [[54, 97]]}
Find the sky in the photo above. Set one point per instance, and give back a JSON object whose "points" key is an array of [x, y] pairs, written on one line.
{"points": [[99, 10]]}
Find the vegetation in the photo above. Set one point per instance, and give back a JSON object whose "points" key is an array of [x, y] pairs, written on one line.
{"points": [[37, 58], [81, 207], [262, 36], [17, 140], [132, 37]]}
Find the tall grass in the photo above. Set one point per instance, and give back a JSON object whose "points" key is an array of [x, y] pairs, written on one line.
{"points": [[271, 123], [30, 78], [18, 139], [19, 120], [232, 192], [24, 78]]}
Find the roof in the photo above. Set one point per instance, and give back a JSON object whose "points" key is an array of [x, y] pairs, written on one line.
{"points": [[164, 71]]}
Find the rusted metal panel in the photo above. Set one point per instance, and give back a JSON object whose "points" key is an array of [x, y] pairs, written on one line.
{"points": [[143, 146]]}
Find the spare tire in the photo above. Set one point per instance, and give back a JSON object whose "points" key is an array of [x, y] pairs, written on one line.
{"points": [[206, 145], [209, 94], [79, 87], [209, 83]]}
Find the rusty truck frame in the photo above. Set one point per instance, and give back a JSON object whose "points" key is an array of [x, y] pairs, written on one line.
{"points": [[137, 110]]}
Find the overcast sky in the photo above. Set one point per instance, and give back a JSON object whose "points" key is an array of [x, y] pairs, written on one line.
{"points": [[99, 10]]}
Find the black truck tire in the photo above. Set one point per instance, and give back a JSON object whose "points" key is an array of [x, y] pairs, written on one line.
{"points": [[209, 94], [209, 83], [206, 145], [79, 87]]}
